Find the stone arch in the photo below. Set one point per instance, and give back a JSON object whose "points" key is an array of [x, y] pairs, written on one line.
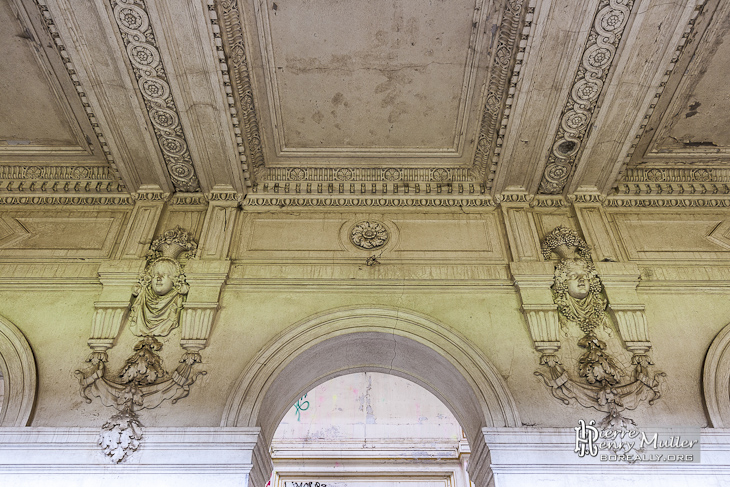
{"points": [[19, 374], [716, 380], [390, 340]]}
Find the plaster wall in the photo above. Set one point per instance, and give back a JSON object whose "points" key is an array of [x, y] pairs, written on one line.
{"points": [[458, 269]]}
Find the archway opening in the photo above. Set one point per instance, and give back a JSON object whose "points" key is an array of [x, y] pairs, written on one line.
{"points": [[391, 341], [371, 429]]}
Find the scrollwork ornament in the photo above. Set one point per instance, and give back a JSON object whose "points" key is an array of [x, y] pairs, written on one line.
{"points": [[139, 39], [599, 53], [369, 235]]}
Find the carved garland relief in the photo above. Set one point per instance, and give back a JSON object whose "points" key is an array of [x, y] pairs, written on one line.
{"points": [[603, 384], [143, 382]]}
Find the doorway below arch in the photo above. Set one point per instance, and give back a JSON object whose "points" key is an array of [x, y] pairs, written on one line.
{"points": [[371, 339], [371, 429]]}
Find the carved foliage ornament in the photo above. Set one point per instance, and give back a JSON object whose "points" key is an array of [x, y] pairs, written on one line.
{"points": [[578, 294], [143, 382], [139, 40], [369, 235], [608, 27]]}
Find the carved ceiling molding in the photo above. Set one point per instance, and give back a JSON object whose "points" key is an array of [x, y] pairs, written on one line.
{"points": [[501, 87], [678, 201], [59, 179], [233, 111], [683, 42], [234, 51], [598, 55], [189, 199], [674, 181], [52, 31], [81, 200], [367, 194], [141, 46], [358, 175], [335, 201]]}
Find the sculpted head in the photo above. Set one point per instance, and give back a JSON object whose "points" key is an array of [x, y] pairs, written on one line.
{"points": [[164, 274], [578, 279]]}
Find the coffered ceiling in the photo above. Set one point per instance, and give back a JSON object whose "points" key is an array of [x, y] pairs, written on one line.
{"points": [[364, 99]]}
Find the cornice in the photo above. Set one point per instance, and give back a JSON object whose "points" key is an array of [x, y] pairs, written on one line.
{"points": [[141, 46], [368, 194], [376, 174], [234, 50], [59, 179], [233, 111], [501, 87], [50, 26], [607, 28], [366, 201], [65, 200], [677, 201]]}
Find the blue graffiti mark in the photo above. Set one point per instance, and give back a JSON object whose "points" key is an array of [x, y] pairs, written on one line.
{"points": [[301, 406]]}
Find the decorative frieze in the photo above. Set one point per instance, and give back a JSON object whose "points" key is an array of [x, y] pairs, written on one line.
{"points": [[59, 179], [678, 201], [141, 45], [79, 200], [359, 175], [607, 28]]}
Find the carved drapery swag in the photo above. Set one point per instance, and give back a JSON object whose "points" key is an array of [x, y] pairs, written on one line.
{"points": [[143, 382], [578, 294]]}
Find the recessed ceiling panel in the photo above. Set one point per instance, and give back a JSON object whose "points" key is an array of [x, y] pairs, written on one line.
{"points": [[372, 80], [694, 125], [30, 113], [703, 119]]}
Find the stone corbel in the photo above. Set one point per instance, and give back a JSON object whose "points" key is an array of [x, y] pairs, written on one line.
{"points": [[220, 219], [148, 204], [206, 279], [620, 281], [533, 281], [117, 278], [588, 206]]}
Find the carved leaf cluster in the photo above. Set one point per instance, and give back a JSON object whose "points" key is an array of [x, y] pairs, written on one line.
{"points": [[144, 366], [121, 435]]}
